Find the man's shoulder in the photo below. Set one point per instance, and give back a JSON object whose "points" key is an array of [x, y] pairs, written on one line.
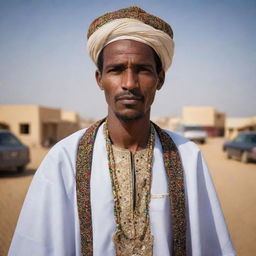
{"points": [[189, 152], [72, 138], [61, 158], [182, 143], [68, 145]]}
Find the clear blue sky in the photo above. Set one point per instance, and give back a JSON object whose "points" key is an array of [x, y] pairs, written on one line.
{"points": [[43, 58]]}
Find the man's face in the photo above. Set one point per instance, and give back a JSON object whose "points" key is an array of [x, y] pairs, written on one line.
{"points": [[129, 79]]}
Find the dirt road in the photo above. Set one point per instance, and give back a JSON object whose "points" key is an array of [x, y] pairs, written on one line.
{"points": [[13, 188], [235, 184]]}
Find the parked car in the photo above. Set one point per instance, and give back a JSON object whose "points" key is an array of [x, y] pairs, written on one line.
{"points": [[195, 133], [13, 154], [242, 147]]}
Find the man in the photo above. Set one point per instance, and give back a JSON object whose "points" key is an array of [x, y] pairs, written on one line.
{"points": [[124, 186]]}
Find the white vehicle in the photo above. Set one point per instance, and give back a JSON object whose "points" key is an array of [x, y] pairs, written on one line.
{"points": [[194, 133]]}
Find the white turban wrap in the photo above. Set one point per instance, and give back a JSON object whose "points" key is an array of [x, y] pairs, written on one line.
{"points": [[132, 29]]}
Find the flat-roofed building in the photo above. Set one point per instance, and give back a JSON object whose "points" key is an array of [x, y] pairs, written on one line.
{"points": [[206, 117], [234, 126], [38, 127], [168, 122]]}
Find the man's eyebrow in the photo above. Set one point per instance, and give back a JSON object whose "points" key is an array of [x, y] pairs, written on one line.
{"points": [[113, 65], [144, 65]]}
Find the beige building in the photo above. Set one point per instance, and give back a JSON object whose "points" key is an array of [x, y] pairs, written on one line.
{"points": [[169, 123], [84, 123], [34, 125], [236, 125], [38, 127], [206, 117]]}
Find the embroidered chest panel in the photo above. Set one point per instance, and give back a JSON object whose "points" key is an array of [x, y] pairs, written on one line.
{"points": [[133, 176], [174, 172]]}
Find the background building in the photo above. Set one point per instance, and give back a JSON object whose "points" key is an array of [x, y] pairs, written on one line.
{"points": [[169, 123], [206, 117], [38, 127], [35, 125], [236, 125]]}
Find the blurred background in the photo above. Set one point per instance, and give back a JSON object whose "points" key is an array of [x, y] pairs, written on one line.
{"points": [[48, 91]]}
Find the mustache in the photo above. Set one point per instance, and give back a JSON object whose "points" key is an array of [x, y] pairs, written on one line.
{"points": [[129, 94]]}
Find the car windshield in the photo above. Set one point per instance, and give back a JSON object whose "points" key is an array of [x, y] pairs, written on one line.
{"points": [[251, 138], [240, 138], [7, 139], [192, 128]]}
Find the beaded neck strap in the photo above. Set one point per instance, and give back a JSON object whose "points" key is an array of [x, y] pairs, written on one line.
{"points": [[174, 170]]}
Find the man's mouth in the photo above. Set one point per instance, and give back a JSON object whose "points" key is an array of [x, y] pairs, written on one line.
{"points": [[131, 98]]}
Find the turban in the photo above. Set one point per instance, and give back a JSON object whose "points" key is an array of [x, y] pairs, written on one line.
{"points": [[135, 24]]}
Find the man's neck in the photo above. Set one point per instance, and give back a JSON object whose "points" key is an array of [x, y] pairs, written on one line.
{"points": [[129, 134]]}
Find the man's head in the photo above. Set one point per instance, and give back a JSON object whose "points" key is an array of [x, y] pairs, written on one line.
{"points": [[129, 78], [132, 50]]}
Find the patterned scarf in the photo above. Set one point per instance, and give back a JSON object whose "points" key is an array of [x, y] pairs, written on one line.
{"points": [[174, 170]]}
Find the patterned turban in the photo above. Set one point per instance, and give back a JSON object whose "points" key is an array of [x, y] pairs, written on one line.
{"points": [[135, 24]]}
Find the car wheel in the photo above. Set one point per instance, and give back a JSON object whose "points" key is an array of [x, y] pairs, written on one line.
{"points": [[21, 169], [228, 155], [244, 157]]}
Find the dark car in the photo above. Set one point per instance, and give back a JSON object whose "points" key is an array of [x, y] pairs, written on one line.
{"points": [[13, 154], [242, 147]]}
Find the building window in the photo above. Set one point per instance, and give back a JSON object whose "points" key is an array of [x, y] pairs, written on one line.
{"points": [[4, 126], [24, 129]]}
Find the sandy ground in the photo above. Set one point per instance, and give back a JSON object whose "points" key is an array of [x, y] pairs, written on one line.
{"points": [[234, 181]]}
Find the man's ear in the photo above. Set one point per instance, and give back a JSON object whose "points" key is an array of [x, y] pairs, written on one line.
{"points": [[98, 76], [161, 78]]}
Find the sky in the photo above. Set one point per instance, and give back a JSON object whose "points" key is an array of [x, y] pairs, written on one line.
{"points": [[43, 57]]}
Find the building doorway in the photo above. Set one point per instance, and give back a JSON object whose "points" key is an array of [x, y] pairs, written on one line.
{"points": [[49, 134]]}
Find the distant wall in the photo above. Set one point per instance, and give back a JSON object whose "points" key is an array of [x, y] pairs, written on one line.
{"points": [[234, 126], [200, 116], [23, 121], [206, 117]]}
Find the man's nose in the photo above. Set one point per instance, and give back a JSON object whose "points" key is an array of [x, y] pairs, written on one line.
{"points": [[130, 80]]}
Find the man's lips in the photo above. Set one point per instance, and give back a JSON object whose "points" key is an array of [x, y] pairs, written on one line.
{"points": [[129, 97]]}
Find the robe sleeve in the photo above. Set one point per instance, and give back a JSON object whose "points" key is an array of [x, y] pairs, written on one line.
{"points": [[208, 231], [48, 223]]}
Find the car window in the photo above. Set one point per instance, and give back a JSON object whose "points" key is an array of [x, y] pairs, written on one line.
{"points": [[252, 138], [179, 129], [7, 139], [249, 138], [193, 128], [240, 138]]}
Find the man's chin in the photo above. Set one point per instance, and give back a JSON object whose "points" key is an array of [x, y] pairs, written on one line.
{"points": [[129, 117]]}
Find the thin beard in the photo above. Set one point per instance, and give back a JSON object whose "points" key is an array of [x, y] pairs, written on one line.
{"points": [[125, 118]]}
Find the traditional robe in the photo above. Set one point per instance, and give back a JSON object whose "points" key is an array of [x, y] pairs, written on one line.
{"points": [[49, 223]]}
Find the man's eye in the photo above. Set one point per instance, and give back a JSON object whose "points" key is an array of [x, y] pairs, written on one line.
{"points": [[115, 69], [144, 69]]}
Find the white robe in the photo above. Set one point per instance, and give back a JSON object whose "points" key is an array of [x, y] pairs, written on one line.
{"points": [[49, 225]]}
